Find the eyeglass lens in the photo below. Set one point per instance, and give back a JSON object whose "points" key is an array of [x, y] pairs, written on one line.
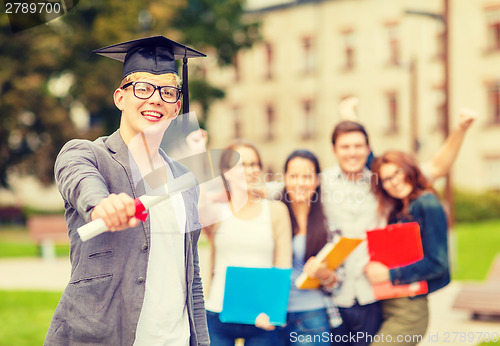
{"points": [[396, 175], [145, 90]]}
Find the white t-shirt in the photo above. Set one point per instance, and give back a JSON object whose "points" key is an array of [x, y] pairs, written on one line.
{"points": [[240, 243], [353, 207], [164, 318]]}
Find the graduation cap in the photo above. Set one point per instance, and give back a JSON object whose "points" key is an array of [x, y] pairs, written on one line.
{"points": [[156, 55]]}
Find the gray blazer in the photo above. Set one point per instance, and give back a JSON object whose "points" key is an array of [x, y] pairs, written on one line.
{"points": [[103, 300]]}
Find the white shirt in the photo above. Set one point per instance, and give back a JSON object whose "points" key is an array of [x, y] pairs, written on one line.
{"points": [[164, 318], [353, 207], [240, 243]]}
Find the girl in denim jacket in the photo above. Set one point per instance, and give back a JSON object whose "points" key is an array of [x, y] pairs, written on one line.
{"points": [[405, 195]]}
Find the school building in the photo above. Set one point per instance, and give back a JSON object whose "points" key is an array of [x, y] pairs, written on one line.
{"points": [[284, 92]]}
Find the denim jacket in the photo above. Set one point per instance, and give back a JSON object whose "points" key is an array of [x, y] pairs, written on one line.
{"points": [[427, 211]]}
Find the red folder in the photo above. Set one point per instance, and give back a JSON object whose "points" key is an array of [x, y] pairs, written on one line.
{"points": [[396, 245]]}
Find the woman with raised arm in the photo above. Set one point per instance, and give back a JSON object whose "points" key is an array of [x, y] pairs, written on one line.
{"points": [[404, 194]]}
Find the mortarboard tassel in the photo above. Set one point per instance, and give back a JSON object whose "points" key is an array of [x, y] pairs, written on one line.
{"points": [[185, 94]]}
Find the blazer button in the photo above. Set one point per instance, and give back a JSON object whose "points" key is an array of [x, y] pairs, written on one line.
{"points": [[145, 248], [140, 280]]}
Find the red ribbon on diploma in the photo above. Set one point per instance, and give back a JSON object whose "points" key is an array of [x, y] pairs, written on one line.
{"points": [[140, 210]]}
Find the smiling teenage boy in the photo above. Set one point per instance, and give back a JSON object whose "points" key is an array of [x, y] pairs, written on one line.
{"points": [[350, 204], [140, 283]]}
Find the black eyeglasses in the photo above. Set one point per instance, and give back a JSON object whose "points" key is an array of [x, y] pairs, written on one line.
{"points": [[144, 90], [397, 175]]}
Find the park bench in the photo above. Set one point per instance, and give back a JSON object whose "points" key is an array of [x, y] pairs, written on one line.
{"points": [[48, 230], [482, 299], [11, 215]]}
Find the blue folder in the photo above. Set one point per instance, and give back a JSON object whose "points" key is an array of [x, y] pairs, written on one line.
{"points": [[251, 291]]}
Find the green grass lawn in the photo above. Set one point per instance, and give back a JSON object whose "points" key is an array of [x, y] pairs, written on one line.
{"points": [[474, 247], [25, 315], [28, 250], [15, 242]]}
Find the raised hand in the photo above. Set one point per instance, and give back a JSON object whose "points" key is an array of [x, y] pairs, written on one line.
{"points": [[347, 109], [466, 118]]}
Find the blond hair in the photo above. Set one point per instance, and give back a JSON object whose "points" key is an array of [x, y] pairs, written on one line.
{"points": [[167, 78]]}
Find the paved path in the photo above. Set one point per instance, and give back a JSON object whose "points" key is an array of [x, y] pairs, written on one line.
{"points": [[447, 326], [454, 327], [34, 274]]}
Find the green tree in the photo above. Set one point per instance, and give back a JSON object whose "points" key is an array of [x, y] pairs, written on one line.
{"points": [[223, 20], [35, 120], [32, 122]]}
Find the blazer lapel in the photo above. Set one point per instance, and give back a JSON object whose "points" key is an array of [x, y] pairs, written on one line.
{"points": [[120, 153]]}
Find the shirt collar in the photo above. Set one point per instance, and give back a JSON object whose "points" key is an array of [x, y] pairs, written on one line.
{"points": [[365, 175]]}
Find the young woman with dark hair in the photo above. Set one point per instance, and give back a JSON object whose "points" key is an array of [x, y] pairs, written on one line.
{"points": [[308, 320], [404, 194]]}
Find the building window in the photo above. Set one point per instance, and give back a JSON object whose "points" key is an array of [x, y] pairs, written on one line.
{"points": [[392, 112], [494, 103], [349, 54], [491, 169], [494, 35], [308, 55], [236, 66], [237, 123], [203, 71], [394, 44], [493, 20], [440, 115], [307, 120], [269, 61], [440, 46], [439, 102], [270, 121]]}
